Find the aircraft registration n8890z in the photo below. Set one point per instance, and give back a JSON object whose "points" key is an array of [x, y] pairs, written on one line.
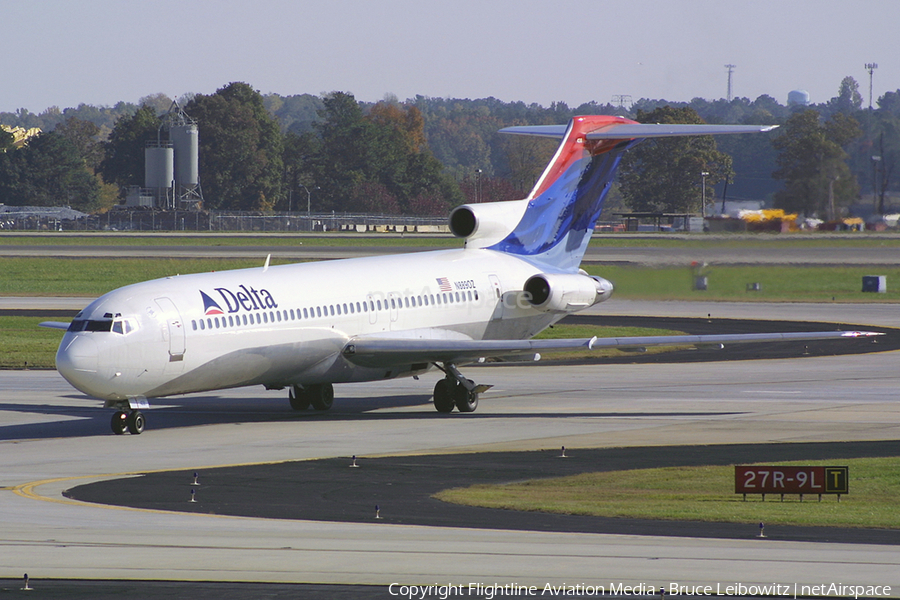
{"points": [[308, 326]]}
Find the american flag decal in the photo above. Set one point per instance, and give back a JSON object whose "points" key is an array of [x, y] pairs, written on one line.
{"points": [[444, 284]]}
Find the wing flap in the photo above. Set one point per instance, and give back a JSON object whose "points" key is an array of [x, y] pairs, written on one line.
{"points": [[385, 352]]}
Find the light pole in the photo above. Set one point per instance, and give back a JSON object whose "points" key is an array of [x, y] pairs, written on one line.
{"points": [[703, 177], [477, 183], [308, 204]]}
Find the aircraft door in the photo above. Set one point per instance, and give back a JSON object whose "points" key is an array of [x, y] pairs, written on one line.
{"points": [[394, 301], [498, 297], [373, 313], [174, 331]]}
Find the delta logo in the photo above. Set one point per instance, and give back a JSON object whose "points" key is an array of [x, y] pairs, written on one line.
{"points": [[243, 298], [210, 306]]}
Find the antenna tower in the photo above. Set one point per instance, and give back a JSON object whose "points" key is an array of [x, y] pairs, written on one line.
{"points": [[870, 67], [730, 71]]}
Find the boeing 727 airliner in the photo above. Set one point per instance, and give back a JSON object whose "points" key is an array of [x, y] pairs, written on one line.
{"points": [[305, 327]]}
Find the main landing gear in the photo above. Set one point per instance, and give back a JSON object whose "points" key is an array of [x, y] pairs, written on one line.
{"points": [[319, 396], [454, 390], [132, 421]]}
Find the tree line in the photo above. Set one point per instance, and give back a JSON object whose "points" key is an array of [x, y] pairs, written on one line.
{"points": [[425, 155]]}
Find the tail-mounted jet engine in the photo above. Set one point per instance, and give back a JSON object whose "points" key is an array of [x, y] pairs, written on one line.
{"points": [[566, 293], [486, 223]]}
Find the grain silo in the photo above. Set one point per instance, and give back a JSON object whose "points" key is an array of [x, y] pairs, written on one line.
{"points": [[185, 139], [159, 172]]}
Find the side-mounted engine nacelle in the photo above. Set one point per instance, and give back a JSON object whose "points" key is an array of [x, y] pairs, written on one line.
{"points": [[566, 293], [485, 224]]}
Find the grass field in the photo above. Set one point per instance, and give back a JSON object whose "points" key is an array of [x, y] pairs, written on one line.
{"points": [[95, 276], [23, 344], [729, 283], [831, 240], [698, 494]]}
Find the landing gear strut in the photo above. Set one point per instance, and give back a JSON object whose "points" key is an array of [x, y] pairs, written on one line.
{"points": [[319, 396], [454, 390]]}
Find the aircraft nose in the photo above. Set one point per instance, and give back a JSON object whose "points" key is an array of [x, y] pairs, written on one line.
{"points": [[76, 361]]}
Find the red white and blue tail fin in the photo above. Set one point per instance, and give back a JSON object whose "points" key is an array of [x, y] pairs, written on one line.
{"points": [[564, 205]]}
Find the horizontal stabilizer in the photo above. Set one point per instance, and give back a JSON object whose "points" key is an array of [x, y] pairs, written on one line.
{"points": [[384, 352], [54, 324], [630, 131], [652, 130]]}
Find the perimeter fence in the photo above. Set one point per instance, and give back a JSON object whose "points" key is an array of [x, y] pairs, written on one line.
{"points": [[222, 221]]}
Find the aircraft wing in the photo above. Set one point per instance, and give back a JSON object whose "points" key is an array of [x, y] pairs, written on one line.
{"points": [[54, 324], [385, 352]]}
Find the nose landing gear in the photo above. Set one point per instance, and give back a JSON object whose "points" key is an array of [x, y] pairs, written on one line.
{"points": [[133, 422], [128, 416]]}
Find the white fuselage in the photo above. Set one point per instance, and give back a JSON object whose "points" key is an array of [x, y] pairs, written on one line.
{"points": [[286, 325]]}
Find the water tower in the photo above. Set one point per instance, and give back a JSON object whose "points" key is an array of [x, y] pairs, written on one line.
{"points": [[798, 98]]}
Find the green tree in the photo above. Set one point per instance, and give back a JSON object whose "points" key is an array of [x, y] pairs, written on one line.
{"points": [[812, 164], [84, 135], [123, 152], [664, 175], [241, 149], [6, 141], [848, 100], [47, 172]]}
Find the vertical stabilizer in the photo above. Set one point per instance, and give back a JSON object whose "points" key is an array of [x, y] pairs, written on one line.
{"points": [[566, 201]]}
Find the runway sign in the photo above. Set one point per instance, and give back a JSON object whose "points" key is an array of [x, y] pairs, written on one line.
{"points": [[791, 480]]}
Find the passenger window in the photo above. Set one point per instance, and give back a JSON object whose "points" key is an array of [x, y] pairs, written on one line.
{"points": [[245, 319], [209, 322], [292, 314], [202, 325], [230, 321], [345, 308], [194, 324], [476, 295], [338, 309], [358, 308], [331, 306], [379, 305], [351, 309]]}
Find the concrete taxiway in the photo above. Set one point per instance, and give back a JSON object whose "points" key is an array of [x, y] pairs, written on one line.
{"points": [[53, 439]]}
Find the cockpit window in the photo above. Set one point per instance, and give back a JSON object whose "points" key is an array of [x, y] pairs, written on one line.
{"points": [[119, 325]]}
